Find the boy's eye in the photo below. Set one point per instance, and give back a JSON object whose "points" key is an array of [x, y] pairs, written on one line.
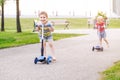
{"points": [[42, 17]]}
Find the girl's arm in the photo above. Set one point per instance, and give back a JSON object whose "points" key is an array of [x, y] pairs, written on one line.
{"points": [[104, 25], [95, 26]]}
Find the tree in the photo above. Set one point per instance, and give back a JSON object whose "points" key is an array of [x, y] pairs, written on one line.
{"points": [[100, 13], [18, 17], [2, 14]]}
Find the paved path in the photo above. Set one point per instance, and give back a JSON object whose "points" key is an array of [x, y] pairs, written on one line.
{"points": [[75, 59]]}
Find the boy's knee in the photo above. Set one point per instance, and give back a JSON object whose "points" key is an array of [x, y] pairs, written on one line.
{"points": [[50, 45]]}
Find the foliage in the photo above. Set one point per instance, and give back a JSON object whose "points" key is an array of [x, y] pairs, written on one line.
{"points": [[100, 13], [2, 1]]}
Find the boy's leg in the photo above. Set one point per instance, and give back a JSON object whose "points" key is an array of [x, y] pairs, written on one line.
{"points": [[50, 42], [52, 49]]}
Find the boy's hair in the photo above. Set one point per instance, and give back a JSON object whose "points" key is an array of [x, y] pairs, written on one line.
{"points": [[43, 13]]}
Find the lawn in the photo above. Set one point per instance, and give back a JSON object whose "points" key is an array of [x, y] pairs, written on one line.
{"points": [[114, 23], [10, 38], [112, 73], [75, 23], [13, 39], [27, 23]]}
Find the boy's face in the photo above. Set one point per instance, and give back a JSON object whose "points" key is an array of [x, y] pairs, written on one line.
{"points": [[43, 18]]}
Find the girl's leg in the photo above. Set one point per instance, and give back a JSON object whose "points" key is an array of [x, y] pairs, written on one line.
{"points": [[100, 38], [106, 42], [104, 38], [100, 42]]}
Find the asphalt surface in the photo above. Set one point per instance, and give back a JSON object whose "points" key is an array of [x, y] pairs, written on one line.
{"points": [[75, 58]]}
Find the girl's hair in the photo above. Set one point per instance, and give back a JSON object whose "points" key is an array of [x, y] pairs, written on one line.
{"points": [[100, 17], [43, 13]]}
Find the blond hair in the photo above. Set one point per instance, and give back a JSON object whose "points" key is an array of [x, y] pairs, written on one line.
{"points": [[100, 18], [43, 13]]}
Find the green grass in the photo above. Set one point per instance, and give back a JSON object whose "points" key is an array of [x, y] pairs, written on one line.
{"points": [[13, 39], [26, 24], [75, 23], [112, 73], [59, 36], [114, 23], [10, 38]]}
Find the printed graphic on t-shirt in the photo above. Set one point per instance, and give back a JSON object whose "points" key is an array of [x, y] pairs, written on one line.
{"points": [[46, 29]]}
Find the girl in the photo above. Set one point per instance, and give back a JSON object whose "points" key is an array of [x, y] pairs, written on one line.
{"points": [[100, 26]]}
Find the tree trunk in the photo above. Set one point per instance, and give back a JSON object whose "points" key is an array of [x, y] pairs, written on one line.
{"points": [[18, 17], [2, 18]]}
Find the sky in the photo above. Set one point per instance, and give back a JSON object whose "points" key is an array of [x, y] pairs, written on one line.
{"points": [[61, 7]]}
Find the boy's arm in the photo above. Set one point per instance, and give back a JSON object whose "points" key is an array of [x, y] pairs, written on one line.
{"points": [[51, 29], [38, 26]]}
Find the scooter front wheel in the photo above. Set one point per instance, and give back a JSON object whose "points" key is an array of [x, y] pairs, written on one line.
{"points": [[49, 59], [36, 60]]}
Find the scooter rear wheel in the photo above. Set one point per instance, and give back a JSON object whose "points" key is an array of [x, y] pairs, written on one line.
{"points": [[93, 48], [36, 60]]}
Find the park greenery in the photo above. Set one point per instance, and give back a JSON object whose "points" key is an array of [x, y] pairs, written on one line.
{"points": [[100, 13], [11, 38], [112, 73]]}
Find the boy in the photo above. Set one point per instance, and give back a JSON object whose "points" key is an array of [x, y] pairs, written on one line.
{"points": [[48, 29]]}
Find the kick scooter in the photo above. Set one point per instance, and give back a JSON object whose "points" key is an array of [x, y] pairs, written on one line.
{"points": [[42, 58], [98, 48]]}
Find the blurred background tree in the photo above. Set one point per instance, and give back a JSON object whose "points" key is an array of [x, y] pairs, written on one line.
{"points": [[100, 13], [2, 2]]}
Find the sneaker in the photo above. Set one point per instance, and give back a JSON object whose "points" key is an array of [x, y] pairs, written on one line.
{"points": [[54, 59]]}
